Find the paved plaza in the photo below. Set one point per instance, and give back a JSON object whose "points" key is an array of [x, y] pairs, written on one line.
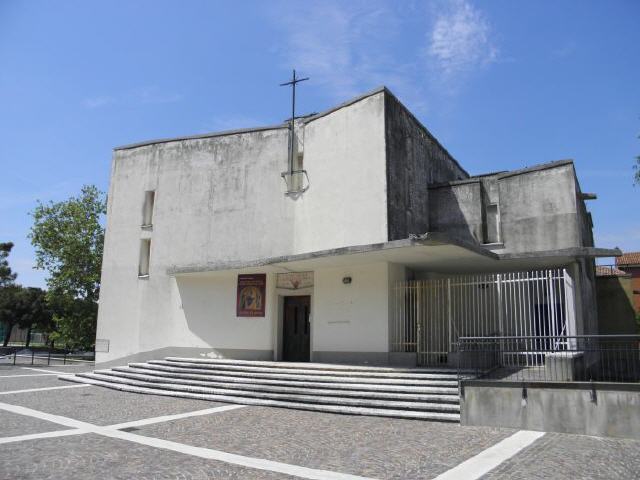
{"points": [[53, 429]]}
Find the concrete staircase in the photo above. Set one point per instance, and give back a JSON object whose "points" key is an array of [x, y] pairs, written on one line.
{"points": [[418, 393]]}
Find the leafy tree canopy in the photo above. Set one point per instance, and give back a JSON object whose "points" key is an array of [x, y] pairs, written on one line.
{"points": [[68, 238], [6, 275], [25, 307]]}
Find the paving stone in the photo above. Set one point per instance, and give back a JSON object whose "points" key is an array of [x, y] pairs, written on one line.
{"points": [[102, 406], [93, 456], [13, 424], [568, 457], [22, 383], [369, 446], [384, 448], [27, 369]]}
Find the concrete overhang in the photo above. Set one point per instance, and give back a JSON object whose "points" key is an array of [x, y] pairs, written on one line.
{"points": [[434, 252]]}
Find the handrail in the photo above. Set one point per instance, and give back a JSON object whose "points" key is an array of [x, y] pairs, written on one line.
{"points": [[556, 358]]}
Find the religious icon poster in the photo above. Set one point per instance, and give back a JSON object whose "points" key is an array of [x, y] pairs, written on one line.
{"points": [[250, 301]]}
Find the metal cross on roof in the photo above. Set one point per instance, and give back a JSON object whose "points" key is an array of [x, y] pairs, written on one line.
{"points": [[294, 80]]}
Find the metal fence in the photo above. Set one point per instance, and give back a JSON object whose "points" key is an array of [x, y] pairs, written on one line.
{"points": [[431, 315], [606, 358], [22, 356]]}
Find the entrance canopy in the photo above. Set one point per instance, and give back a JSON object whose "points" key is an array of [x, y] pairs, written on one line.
{"points": [[434, 252]]}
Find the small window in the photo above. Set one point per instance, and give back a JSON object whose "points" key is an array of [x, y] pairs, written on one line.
{"points": [[492, 224], [145, 251], [147, 209]]}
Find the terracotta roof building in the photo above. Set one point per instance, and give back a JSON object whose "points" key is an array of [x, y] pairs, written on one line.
{"points": [[630, 263], [630, 259]]}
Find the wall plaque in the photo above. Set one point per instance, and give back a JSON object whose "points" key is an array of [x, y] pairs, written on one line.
{"points": [[102, 345], [294, 280], [251, 296]]}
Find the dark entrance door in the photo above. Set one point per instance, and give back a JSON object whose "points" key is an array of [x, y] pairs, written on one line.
{"points": [[295, 329]]}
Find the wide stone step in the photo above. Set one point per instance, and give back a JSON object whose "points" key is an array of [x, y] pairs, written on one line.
{"points": [[438, 381], [369, 387], [313, 366], [351, 410], [286, 397], [432, 397], [301, 369]]}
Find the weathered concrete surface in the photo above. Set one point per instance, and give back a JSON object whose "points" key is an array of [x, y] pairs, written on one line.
{"points": [[538, 209], [458, 210], [616, 314], [414, 159], [220, 206], [219, 198], [613, 411]]}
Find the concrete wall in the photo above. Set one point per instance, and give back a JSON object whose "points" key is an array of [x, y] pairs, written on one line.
{"points": [[608, 410], [414, 159], [616, 314], [219, 199], [344, 156], [216, 199], [457, 210], [351, 322], [538, 210]]}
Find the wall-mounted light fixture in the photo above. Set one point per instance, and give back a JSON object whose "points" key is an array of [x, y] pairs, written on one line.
{"points": [[346, 280]]}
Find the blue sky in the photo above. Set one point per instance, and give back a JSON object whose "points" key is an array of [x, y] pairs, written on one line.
{"points": [[501, 84]]}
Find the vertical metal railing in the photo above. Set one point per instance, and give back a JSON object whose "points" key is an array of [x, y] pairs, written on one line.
{"points": [[431, 315]]}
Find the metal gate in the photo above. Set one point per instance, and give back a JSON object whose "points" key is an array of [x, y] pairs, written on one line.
{"points": [[430, 315]]}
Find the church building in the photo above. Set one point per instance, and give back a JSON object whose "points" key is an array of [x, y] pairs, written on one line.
{"points": [[349, 236]]}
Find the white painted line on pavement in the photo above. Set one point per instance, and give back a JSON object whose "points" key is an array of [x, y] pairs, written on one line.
{"points": [[34, 375], [488, 459], [178, 416], [29, 412], [37, 436], [44, 388], [209, 454], [232, 458], [43, 370]]}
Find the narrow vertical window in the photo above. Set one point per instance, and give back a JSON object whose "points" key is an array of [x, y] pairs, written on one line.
{"points": [[145, 251], [147, 209], [492, 225]]}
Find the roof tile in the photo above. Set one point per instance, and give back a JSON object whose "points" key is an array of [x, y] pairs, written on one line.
{"points": [[628, 259]]}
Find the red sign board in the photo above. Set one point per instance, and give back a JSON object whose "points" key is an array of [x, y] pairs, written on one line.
{"points": [[251, 296]]}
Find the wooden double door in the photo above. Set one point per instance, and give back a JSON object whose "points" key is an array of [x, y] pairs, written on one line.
{"points": [[296, 344]]}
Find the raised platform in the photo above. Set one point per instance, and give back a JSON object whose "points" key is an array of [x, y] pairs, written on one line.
{"points": [[417, 393]]}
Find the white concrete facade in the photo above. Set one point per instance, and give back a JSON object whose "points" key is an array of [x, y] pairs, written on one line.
{"points": [[220, 199], [220, 210]]}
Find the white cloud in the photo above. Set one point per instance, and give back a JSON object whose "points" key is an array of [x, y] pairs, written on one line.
{"points": [[143, 95], [349, 47], [97, 102], [338, 44], [153, 95], [461, 39], [233, 122], [565, 50]]}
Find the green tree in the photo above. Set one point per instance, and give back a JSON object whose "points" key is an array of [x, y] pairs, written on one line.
{"points": [[68, 237], [24, 307], [6, 275]]}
